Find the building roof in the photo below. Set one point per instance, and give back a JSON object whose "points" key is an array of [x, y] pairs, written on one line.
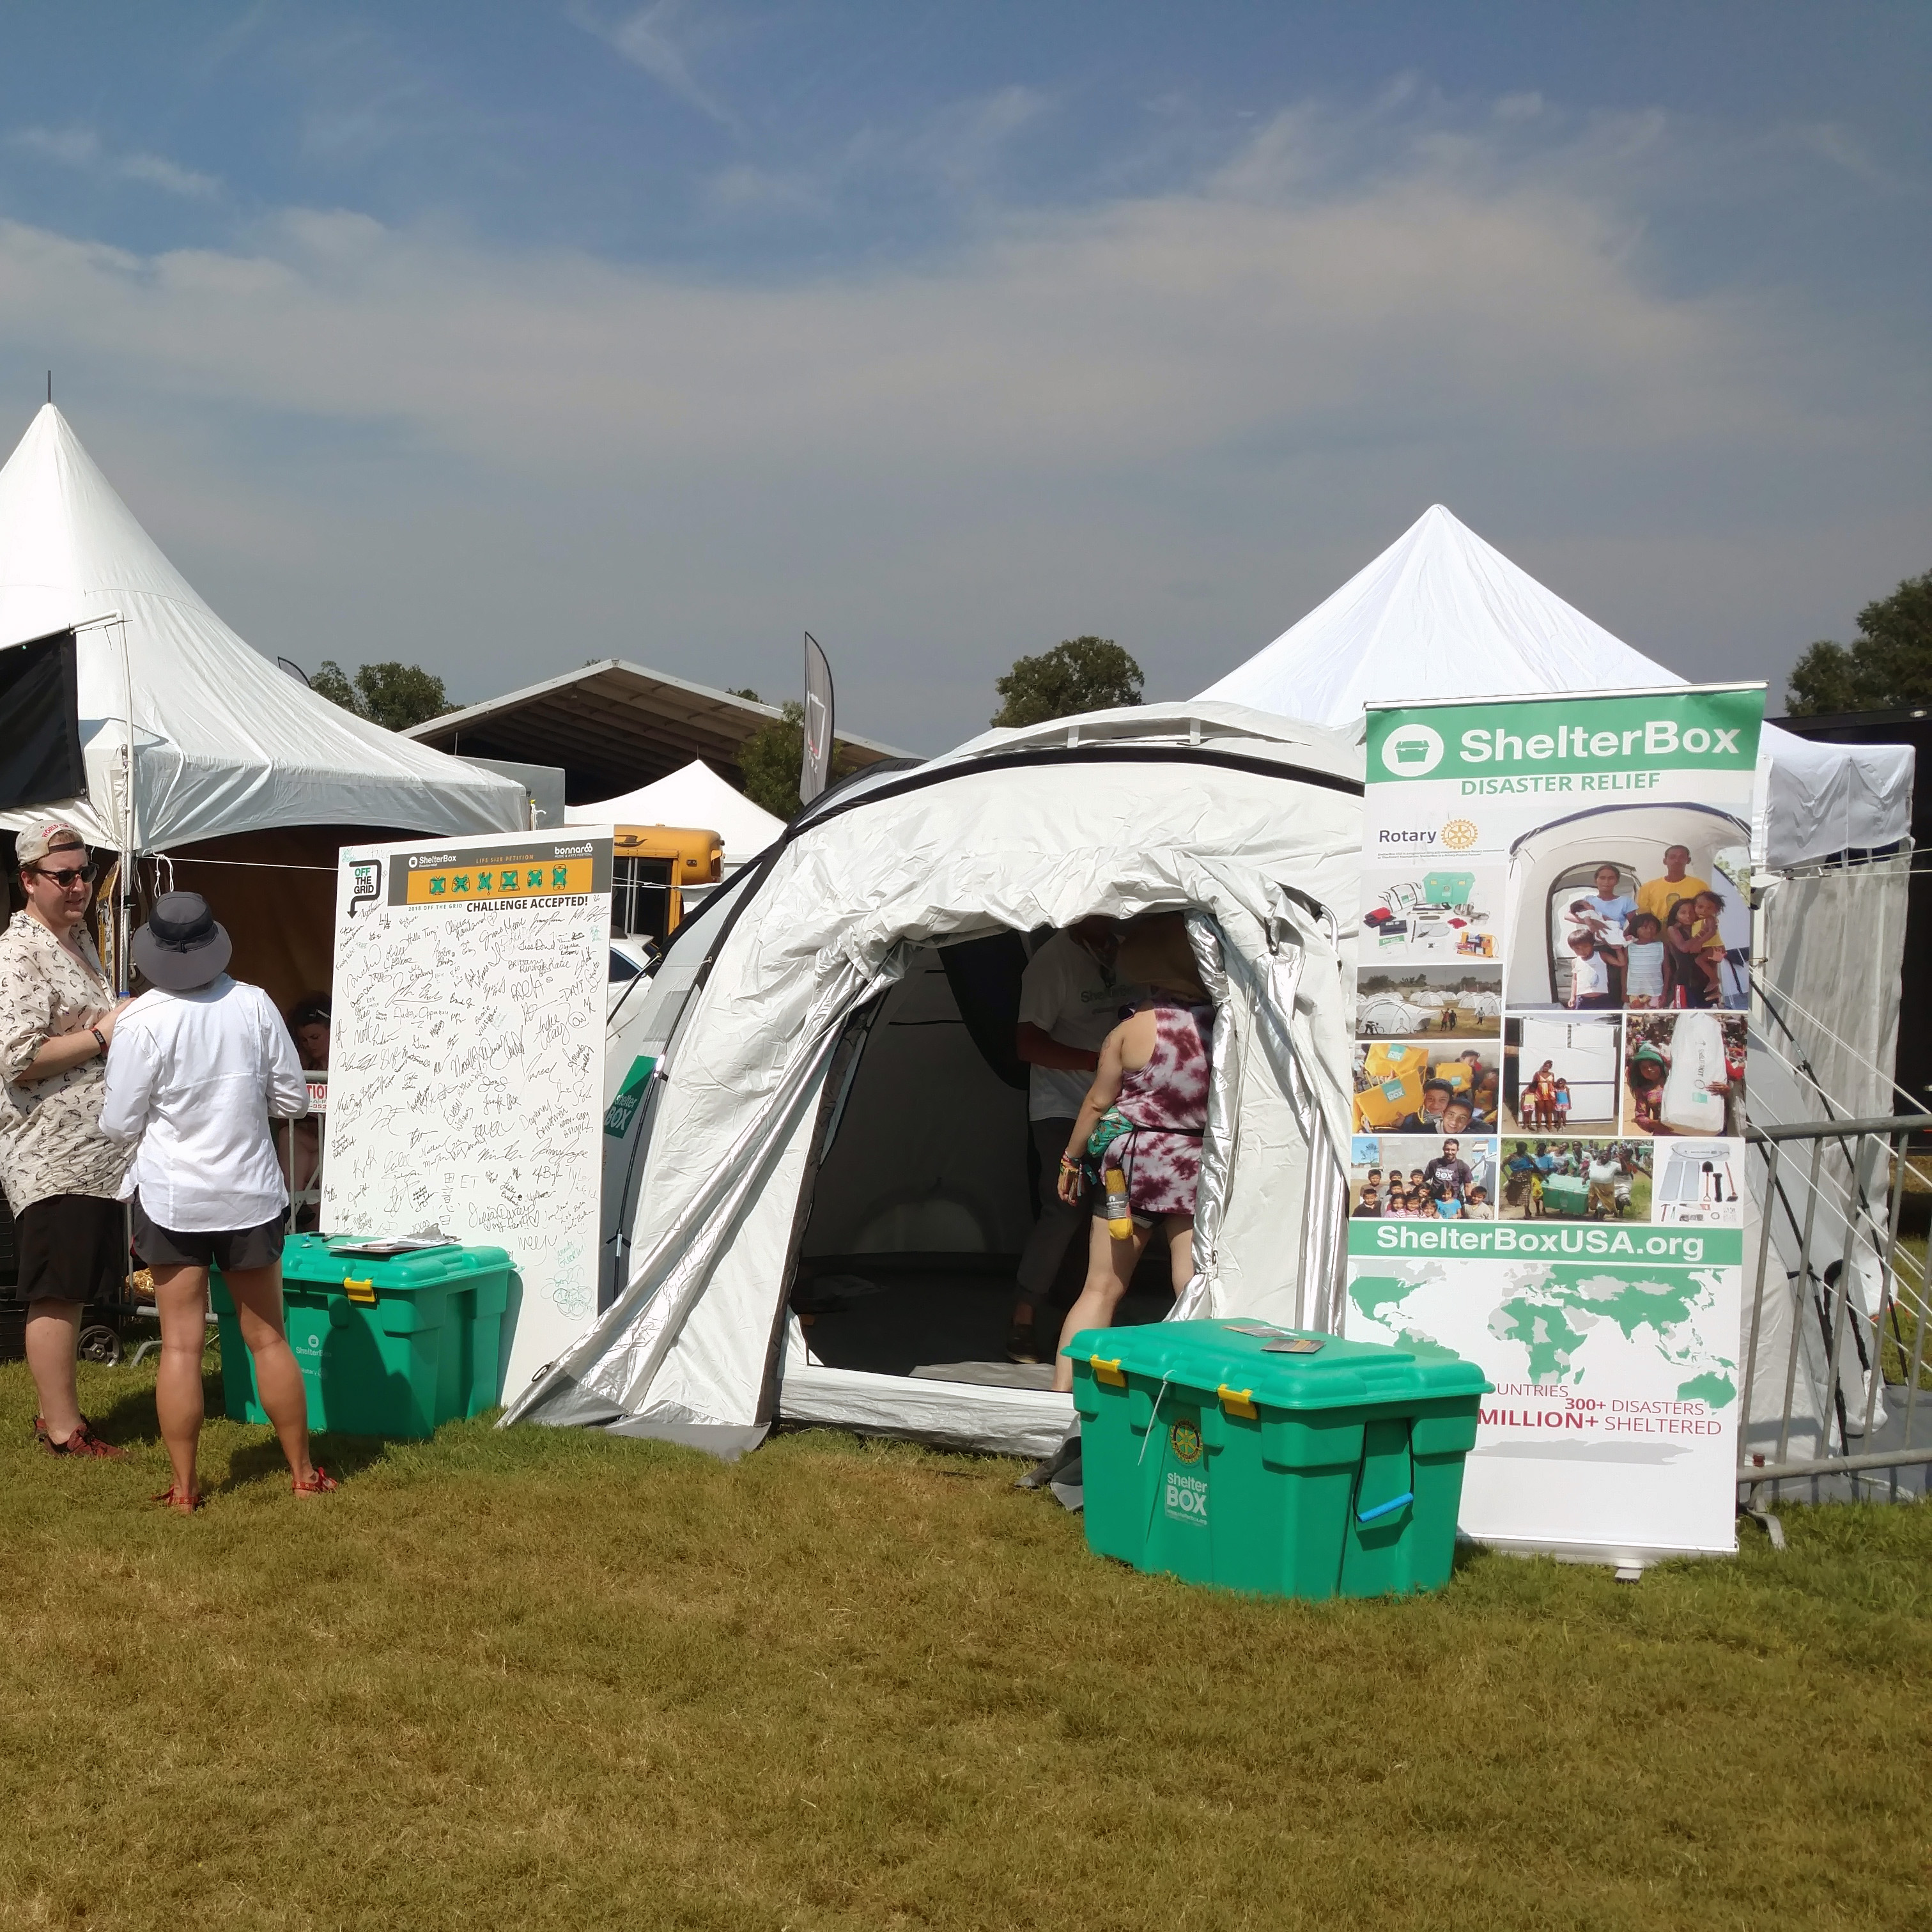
{"points": [[614, 726]]}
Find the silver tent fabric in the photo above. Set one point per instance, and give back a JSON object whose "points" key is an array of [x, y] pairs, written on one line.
{"points": [[1207, 808]]}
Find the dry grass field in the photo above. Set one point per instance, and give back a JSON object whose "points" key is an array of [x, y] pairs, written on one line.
{"points": [[533, 1679]]}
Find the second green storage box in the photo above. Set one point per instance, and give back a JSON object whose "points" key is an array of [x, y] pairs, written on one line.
{"points": [[1267, 1459], [389, 1346]]}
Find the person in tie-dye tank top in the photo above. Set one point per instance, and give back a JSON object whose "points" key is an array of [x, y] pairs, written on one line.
{"points": [[1144, 1116]]}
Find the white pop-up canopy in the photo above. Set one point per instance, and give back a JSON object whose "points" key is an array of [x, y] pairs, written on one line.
{"points": [[695, 796], [1441, 613], [224, 741]]}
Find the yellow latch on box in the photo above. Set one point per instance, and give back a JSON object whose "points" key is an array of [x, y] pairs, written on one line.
{"points": [[1107, 1372], [362, 1293], [1239, 1402]]}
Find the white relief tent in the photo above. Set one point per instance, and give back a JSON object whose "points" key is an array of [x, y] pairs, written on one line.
{"points": [[224, 741], [822, 1100]]}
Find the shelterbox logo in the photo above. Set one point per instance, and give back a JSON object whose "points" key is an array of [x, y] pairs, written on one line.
{"points": [[1412, 750], [1715, 730]]}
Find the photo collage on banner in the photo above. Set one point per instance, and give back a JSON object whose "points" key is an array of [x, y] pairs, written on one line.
{"points": [[1552, 982]]}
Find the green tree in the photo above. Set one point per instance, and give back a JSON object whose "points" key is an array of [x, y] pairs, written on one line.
{"points": [[1080, 674], [1888, 666], [771, 757], [391, 694]]}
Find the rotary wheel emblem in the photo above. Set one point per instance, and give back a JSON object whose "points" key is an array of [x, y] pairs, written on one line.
{"points": [[1458, 835]]}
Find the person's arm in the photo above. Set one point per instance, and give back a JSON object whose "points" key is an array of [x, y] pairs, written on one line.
{"points": [[130, 1091], [1038, 1048], [1102, 1095], [288, 1085]]}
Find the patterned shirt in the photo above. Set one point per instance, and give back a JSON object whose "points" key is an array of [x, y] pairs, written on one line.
{"points": [[50, 1137]]}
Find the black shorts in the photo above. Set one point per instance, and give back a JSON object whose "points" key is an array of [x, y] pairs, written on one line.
{"points": [[231, 1249], [72, 1247]]}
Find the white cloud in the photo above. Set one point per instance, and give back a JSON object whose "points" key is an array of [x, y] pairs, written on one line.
{"points": [[1175, 418], [646, 40], [82, 148]]}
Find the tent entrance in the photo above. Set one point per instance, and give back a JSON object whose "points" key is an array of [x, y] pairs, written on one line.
{"points": [[926, 1186]]}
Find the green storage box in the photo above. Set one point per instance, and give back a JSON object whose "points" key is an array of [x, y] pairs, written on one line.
{"points": [[1448, 888], [1209, 1452], [387, 1347], [1566, 1194]]}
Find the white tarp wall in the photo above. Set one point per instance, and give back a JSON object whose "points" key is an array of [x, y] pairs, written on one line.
{"points": [[1824, 1030], [959, 850]]}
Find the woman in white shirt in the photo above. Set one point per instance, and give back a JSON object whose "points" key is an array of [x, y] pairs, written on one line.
{"points": [[197, 1069]]}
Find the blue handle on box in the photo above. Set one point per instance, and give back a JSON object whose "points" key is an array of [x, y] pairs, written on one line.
{"points": [[1388, 1508]]}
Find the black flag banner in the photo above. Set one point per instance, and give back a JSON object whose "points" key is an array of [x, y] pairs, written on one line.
{"points": [[40, 724]]}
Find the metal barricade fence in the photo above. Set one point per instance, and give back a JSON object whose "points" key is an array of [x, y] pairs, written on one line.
{"points": [[1853, 1311]]}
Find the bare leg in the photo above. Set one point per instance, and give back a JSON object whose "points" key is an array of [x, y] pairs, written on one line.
{"points": [[1110, 1266], [258, 1303], [1181, 1250], [181, 1300], [52, 1329]]}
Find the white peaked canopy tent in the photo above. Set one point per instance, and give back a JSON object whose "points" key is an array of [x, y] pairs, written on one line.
{"points": [[224, 742], [694, 796], [821, 1092], [1442, 614]]}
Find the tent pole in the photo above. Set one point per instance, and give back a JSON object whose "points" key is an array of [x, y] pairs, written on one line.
{"points": [[130, 823]]}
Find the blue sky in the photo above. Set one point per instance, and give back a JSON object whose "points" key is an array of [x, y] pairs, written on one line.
{"points": [[501, 337]]}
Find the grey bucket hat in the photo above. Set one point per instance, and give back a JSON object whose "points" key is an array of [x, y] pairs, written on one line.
{"points": [[182, 946]]}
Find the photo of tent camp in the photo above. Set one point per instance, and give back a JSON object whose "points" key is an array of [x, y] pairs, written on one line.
{"points": [[1425, 1086], [1438, 910], [1616, 877], [1420, 1177], [1561, 1075], [1391, 1001], [1683, 1073], [1577, 1180]]}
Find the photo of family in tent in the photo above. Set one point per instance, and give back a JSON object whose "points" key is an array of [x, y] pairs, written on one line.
{"points": [[1640, 908]]}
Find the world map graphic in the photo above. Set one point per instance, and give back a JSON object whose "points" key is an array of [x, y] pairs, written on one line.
{"points": [[1559, 1325]]}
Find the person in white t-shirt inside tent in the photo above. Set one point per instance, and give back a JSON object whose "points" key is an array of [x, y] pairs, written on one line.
{"points": [[197, 1068], [1070, 1001], [1589, 975]]}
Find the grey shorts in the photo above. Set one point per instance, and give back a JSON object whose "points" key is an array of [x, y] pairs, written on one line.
{"points": [[232, 1250]]}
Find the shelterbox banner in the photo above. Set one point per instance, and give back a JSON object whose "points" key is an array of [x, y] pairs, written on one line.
{"points": [[1547, 1174], [466, 1062]]}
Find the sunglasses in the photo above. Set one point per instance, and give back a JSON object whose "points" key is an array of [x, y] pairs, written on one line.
{"points": [[68, 875]]}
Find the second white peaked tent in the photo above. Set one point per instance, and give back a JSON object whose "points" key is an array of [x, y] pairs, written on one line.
{"points": [[1442, 614], [224, 742]]}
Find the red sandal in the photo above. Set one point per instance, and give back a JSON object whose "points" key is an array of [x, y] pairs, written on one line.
{"points": [[182, 1502], [82, 1442], [319, 1484]]}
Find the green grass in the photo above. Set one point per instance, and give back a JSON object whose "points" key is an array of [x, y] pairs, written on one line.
{"points": [[542, 1679]]}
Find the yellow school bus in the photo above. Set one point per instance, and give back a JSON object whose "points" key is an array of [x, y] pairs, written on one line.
{"points": [[654, 864]]}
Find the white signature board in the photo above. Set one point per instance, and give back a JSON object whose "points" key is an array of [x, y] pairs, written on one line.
{"points": [[466, 1073]]}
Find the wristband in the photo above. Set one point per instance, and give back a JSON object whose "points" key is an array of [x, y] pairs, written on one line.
{"points": [[100, 1040]]}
